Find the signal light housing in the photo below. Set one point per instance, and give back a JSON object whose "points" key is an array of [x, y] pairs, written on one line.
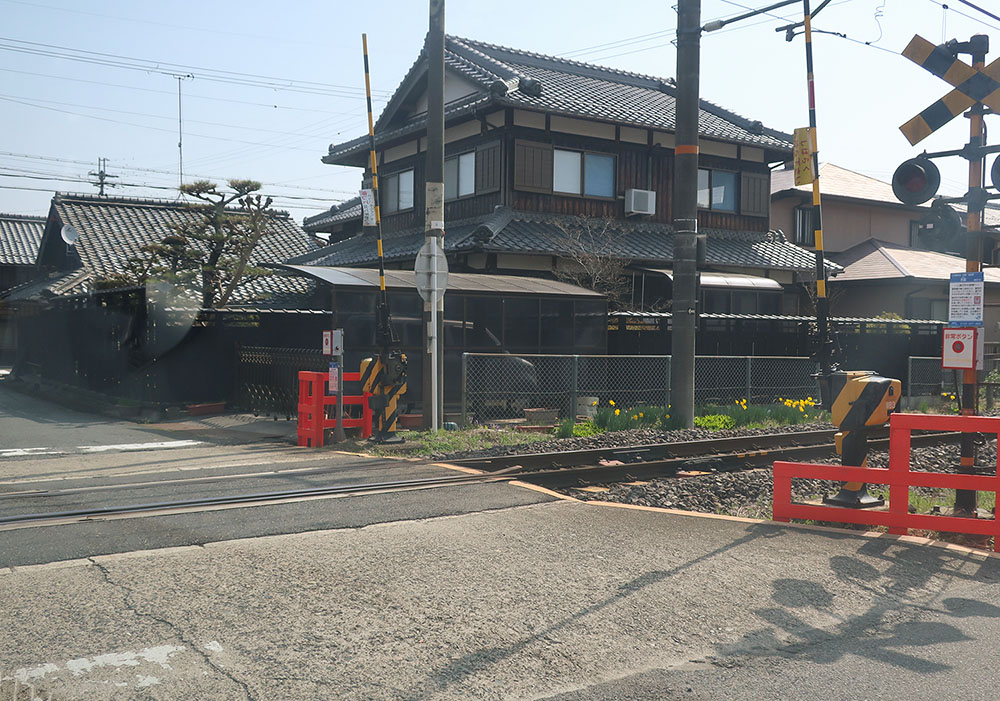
{"points": [[916, 181], [995, 173]]}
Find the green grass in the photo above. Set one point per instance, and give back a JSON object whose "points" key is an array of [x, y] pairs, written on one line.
{"points": [[430, 443]]}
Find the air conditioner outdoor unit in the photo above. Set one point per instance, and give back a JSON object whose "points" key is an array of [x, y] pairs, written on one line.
{"points": [[640, 201]]}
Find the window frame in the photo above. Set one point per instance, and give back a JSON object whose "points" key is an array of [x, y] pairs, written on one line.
{"points": [[393, 178], [583, 173], [458, 175], [804, 214], [736, 190]]}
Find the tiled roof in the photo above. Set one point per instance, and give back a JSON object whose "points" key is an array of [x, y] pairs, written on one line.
{"points": [[57, 283], [879, 260], [513, 231], [20, 237], [112, 230], [531, 81], [835, 181], [343, 212]]}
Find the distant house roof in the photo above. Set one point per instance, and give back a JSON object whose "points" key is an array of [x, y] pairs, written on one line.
{"points": [[20, 236], [113, 230], [515, 231], [337, 214], [505, 77], [835, 181], [873, 259], [457, 282]]}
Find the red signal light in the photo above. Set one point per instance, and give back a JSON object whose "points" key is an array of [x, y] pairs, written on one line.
{"points": [[916, 181]]}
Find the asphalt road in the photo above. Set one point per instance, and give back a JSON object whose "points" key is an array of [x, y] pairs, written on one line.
{"points": [[65, 461], [488, 591]]}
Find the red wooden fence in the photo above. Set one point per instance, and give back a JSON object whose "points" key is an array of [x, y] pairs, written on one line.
{"points": [[900, 478], [313, 401]]}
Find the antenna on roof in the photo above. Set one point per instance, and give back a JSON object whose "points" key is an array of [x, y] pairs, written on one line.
{"points": [[102, 176]]}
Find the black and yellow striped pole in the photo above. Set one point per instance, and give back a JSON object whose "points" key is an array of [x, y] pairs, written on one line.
{"points": [[389, 369], [825, 350]]}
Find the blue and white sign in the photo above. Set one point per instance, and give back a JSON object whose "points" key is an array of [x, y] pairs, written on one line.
{"points": [[965, 299]]}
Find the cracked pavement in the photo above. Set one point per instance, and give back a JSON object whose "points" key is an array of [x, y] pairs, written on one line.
{"points": [[563, 600]]}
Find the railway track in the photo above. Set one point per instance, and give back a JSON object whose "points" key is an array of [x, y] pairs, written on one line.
{"points": [[553, 470]]}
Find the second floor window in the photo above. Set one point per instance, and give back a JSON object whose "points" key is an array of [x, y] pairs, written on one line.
{"points": [[805, 234], [717, 190], [396, 192], [460, 176], [581, 173]]}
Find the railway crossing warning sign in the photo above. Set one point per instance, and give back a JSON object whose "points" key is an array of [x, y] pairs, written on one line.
{"points": [[971, 85]]}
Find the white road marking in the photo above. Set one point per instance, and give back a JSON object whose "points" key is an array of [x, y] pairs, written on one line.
{"points": [[155, 655], [90, 449]]}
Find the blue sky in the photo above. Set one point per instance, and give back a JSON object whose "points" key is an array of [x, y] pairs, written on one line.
{"points": [[267, 86]]}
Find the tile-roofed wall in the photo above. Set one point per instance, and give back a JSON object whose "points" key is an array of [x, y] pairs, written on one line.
{"points": [[114, 229], [20, 236]]}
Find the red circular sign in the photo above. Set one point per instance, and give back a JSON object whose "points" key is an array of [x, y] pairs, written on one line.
{"points": [[958, 346]]}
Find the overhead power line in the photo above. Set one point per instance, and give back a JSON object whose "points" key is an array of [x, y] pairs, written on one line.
{"points": [[169, 92], [173, 69]]}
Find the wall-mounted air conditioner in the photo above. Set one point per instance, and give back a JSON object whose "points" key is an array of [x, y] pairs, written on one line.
{"points": [[640, 201]]}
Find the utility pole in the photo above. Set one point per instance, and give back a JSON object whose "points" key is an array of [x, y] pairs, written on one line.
{"points": [[966, 501], [433, 366], [102, 176], [685, 290]]}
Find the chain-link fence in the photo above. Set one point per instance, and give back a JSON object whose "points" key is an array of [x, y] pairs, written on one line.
{"points": [[498, 385], [925, 378]]}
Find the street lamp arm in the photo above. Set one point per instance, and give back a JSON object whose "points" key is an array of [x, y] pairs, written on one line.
{"points": [[795, 25], [720, 23]]}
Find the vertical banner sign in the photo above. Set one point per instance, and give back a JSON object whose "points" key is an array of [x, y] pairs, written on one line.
{"points": [[965, 299], [334, 377], [368, 207], [803, 157]]}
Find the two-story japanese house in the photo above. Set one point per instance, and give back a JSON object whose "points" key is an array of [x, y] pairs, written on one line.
{"points": [[544, 153]]}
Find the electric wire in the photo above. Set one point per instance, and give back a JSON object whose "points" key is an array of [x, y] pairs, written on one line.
{"points": [[171, 93], [172, 69]]}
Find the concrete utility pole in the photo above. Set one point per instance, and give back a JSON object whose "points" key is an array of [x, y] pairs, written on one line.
{"points": [[966, 501], [433, 366], [685, 295]]}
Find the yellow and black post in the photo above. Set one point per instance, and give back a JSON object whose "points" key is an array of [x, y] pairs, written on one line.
{"points": [[860, 400], [387, 376]]}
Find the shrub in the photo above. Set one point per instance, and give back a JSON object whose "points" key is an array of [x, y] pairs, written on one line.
{"points": [[715, 422], [570, 429]]}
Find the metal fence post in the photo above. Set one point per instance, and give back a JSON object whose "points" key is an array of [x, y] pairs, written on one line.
{"points": [[574, 387], [666, 381], [909, 382], [749, 394], [465, 389]]}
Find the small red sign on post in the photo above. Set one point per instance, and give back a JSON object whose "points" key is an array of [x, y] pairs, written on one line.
{"points": [[959, 348]]}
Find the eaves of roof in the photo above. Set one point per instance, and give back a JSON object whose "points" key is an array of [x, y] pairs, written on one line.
{"points": [[512, 78], [512, 231]]}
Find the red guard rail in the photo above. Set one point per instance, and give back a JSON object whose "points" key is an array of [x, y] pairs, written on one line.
{"points": [[900, 478], [313, 401]]}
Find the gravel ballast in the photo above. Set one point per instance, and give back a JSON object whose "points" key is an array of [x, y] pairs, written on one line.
{"points": [[747, 493]]}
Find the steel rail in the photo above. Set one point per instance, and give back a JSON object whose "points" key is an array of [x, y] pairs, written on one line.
{"points": [[247, 499], [584, 475], [566, 476], [651, 450]]}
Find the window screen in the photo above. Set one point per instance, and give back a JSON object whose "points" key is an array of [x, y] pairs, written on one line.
{"points": [[406, 189], [566, 172], [466, 174], [599, 175]]}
